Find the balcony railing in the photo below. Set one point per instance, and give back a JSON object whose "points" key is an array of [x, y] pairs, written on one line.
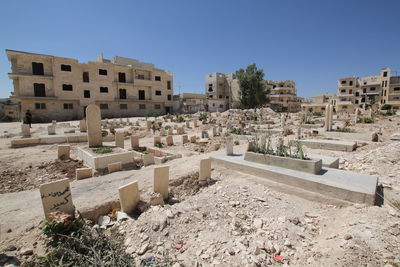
{"points": [[140, 77]]}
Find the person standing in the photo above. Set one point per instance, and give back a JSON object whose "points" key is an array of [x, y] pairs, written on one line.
{"points": [[28, 118]]}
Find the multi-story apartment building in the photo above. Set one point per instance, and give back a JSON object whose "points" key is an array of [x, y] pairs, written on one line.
{"points": [[58, 88], [283, 95], [380, 89], [225, 88]]}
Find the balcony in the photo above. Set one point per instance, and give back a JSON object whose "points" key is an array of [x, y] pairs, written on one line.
{"points": [[141, 77], [133, 98], [30, 75], [344, 103]]}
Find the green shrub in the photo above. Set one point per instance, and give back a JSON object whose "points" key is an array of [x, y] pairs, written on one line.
{"points": [[103, 150], [317, 114], [367, 120], [387, 107], [159, 144], [104, 133], [67, 225], [203, 116]]}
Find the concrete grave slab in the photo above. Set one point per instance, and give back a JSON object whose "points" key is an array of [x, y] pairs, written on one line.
{"points": [[340, 184], [346, 146], [83, 173], [63, 151]]}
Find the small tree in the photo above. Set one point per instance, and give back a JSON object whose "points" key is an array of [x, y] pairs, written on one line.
{"points": [[252, 89]]}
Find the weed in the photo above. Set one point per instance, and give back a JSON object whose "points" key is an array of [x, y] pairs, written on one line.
{"points": [[203, 116], [103, 150]]}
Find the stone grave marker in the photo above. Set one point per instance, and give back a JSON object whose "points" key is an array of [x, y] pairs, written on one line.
{"points": [[93, 121], [119, 139], [129, 196], [161, 178], [205, 169], [56, 196], [134, 141]]}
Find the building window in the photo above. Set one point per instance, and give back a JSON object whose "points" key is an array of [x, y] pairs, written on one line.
{"points": [[343, 91], [142, 106], [351, 83], [169, 97], [140, 76], [68, 106], [37, 68], [372, 89], [123, 106], [103, 106], [121, 77], [220, 96], [65, 67], [39, 90], [396, 89], [169, 87], [102, 72], [157, 106], [343, 82], [103, 89], [356, 102], [122, 93], [350, 91], [221, 106], [67, 87], [86, 94], [385, 74], [157, 78], [142, 95], [85, 77], [40, 105], [158, 92], [357, 94], [385, 83]]}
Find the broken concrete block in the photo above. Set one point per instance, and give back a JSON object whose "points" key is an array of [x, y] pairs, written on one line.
{"points": [[63, 151], [51, 130], [114, 167], [83, 173]]}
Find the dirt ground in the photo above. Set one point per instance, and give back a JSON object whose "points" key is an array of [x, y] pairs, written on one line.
{"points": [[237, 219]]}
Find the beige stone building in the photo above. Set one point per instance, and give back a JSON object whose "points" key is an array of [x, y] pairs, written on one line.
{"points": [[380, 89], [189, 103], [58, 88], [225, 89], [284, 96], [319, 103]]}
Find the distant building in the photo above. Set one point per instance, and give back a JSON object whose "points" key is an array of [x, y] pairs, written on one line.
{"points": [[319, 103], [9, 110], [225, 89], [356, 92], [58, 88], [189, 103]]}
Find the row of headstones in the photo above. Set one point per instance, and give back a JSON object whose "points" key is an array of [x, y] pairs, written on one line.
{"points": [[51, 129], [56, 196]]}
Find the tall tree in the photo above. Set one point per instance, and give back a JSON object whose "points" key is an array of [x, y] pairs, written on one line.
{"points": [[252, 89]]}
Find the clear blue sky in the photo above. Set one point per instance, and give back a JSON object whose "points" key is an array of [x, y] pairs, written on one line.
{"points": [[313, 42]]}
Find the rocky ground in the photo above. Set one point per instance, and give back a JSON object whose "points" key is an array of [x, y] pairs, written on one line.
{"points": [[235, 219]]}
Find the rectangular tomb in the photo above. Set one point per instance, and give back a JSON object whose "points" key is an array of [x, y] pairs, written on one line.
{"points": [[340, 184], [101, 161], [336, 145]]}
